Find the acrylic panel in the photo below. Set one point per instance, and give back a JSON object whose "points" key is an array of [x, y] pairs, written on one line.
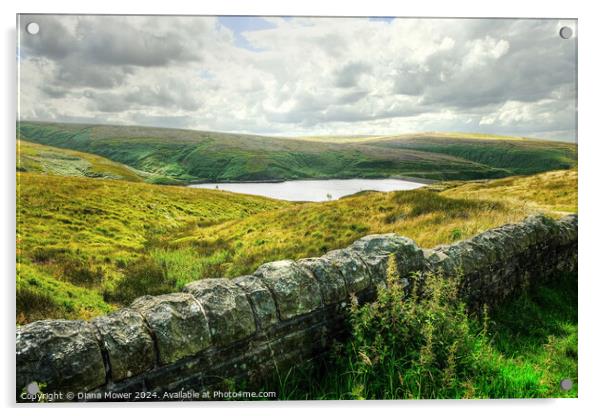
{"points": [[295, 208]]}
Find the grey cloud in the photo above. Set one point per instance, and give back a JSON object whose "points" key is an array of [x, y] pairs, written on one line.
{"points": [[348, 76], [101, 51], [352, 97], [537, 62], [411, 80], [333, 44], [324, 71], [315, 110], [106, 102], [53, 41], [73, 72], [166, 95], [54, 91], [109, 41]]}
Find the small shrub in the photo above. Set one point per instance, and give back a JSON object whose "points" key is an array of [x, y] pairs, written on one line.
{"points": [[392, 218], [456, 234], [47, 254], [71, 265], [410, 345]]}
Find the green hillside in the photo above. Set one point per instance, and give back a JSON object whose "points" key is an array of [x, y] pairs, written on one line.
{"points": [[76, 236], [37, 158], [86, 246], [519, 156], [188, 156], [516, 155]]}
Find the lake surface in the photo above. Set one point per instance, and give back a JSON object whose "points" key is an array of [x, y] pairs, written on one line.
{"points": [[312, 190]]}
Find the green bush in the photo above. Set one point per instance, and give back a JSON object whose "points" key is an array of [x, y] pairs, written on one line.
{"points": [[414, 345]]}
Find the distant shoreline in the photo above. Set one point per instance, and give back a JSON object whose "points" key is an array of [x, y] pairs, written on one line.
{"points": [[400, 178]]}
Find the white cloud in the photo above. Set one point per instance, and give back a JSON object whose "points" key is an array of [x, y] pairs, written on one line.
{"points": [[303, 75]]}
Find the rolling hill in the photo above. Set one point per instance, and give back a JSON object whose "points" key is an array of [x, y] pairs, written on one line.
{"points": [[37, 158], [76, 235], [187, 156], [86, 246]]}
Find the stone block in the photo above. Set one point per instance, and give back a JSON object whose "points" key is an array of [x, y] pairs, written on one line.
{"points": [[350, 264], [227, 309], [129, 345], [64, 355], [178, 324], [331, 281], [261, 299], [295, 290]]}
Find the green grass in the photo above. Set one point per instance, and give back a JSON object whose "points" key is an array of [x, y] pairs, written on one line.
{"points": [[432, 348], [99, 235], [81, 233], [188, 156], [428, 216], [513, 155]]}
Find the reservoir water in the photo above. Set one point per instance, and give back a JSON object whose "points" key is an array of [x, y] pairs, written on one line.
{"points": [[312, 190]]}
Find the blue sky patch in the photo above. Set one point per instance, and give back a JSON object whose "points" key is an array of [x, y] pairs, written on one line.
{"points": [[241, 24]]}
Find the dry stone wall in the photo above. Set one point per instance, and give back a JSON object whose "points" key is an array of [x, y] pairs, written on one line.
{"points": [[255, 326]]}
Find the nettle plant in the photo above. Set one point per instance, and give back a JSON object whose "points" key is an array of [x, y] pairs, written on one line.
{"points": [[419, 344]]}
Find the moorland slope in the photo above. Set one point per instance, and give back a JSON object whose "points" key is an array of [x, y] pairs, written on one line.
{"points": [[186, 156]]}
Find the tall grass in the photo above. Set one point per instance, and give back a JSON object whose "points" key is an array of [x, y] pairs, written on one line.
{"points": [[78, 238], [428, 346]]}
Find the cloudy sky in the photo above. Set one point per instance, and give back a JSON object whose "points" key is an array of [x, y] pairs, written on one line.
{"points": [[302, 76]]}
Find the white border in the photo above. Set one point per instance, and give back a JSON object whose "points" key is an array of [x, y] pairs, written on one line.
{"points": [[590, 138]]}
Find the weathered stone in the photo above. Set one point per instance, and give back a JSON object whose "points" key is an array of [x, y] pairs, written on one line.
{"points": [[468, 257], [356, 274], [520, 237], [441, 260], [568, 228], [128, 343], [376, 249], [539, 228], [64, 355], [261, 299], [228, 311], [491, 245], [295, 290], [331, 281], [178, 324]]}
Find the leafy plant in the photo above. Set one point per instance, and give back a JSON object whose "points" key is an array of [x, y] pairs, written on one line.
{"points": [[424, 344]]}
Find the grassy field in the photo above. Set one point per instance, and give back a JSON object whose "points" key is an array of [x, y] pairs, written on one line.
{"points": [[188, 156], [86, 246], [518, 155], [76, 236]]}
